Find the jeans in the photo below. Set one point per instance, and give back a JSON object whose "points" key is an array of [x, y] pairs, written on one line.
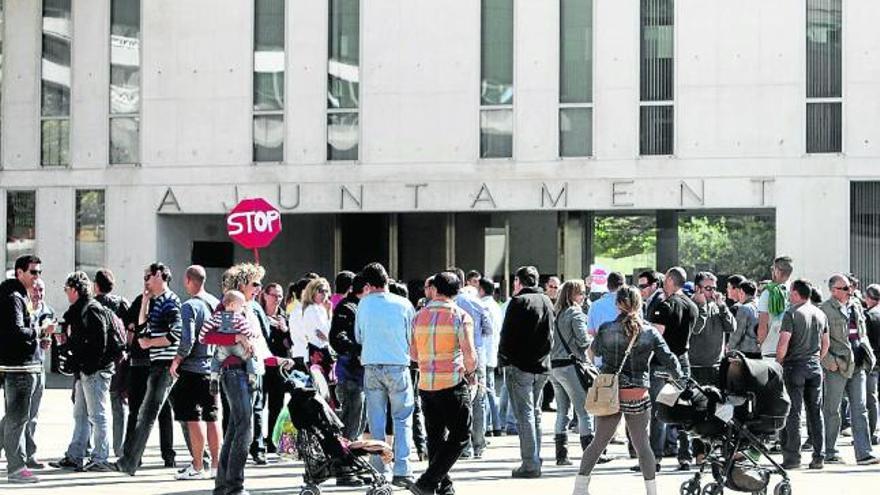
{"points": [[90, 421], [525, 398], [37, 397], [381, 384], [351, 395], [159, 384], [137, 389], [238, 433], [258, 444], [871, 396], [448, 422], [119, 405], [804, 384], [570, 392], [659, 428], [19, 388], [418, 423], [505, 412], [836, 385], [493, 416], [477, 441]]}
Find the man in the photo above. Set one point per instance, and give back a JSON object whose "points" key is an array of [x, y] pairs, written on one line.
{"points": [[341, 287], [383, 327], [872, 326], [191, 397], [803, 341], [468, 300], [20, 364], [732, 292], [651, 288], [674, 318], [772, 305], [714, 324], [551, 288], [487, 297], [845, 365], [103, 286], [160, 311], [88, 332], [349, 370], [442, 344], [526, 338], [745, 335], [605, 309], [473, 279]]}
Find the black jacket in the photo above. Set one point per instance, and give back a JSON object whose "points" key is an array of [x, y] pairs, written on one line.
{"points": [[88, 336], [342, 337], [872, 327], [19, 343], [527, 332]]}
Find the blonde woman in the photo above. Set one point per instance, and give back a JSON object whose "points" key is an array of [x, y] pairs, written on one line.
{"points": [[316, 312], [611, 343], [570, 342]]}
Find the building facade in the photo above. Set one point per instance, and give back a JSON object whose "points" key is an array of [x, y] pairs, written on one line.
{"points": [[487, 134]]}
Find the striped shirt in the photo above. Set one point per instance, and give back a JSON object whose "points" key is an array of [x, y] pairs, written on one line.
{"points": [[164, 320], [239, 325], [438, 332]]}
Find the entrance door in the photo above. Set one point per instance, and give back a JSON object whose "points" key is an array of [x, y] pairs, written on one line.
{"points": [[364, 239]]}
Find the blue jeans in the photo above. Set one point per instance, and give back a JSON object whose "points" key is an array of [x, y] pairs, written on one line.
{"points": [[505, 412], [525, 399], [19, 388], [493, 414], [351, 395], [803, 381], [238, 432], [477, 442], [569, 391], [90, 405], [871, 400], [159, 384], [381, 384], [836, 385], [120, 416]]}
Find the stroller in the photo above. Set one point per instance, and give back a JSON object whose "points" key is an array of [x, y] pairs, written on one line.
{"points": [[734, 420], [325, 453]]}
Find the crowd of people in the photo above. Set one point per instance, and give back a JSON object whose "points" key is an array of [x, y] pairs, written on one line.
{"points": [[438, 370]]}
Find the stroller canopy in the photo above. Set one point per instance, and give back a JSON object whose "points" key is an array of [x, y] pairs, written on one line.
{"points": [[741, 375]]}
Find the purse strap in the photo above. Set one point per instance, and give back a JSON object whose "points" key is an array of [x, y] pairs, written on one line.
{"points": [[626, 354]]}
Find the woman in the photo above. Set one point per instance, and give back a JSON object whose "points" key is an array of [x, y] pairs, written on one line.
{"points": [[316, 313], [279, 346], [610, 344], [570, 339]]}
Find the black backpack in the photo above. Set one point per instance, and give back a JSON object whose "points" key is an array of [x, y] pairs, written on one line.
{"points": [[115, 338]]}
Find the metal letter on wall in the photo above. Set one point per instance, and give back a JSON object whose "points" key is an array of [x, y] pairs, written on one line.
{"points": [[289, 206], [169, 199], [346, 192], [484, 190], [621, 194], [554, 203], [699, 197]]}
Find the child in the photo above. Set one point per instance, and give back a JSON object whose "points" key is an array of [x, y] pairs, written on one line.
{"points": [[231, 320]]}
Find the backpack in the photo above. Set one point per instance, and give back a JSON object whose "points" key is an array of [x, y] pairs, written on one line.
{"points": [[115, 339]]}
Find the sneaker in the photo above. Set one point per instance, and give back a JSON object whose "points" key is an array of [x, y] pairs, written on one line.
{"points": [[190, 473], [792, 464], [22, 477], [403, 481], [833, 459], [684, 466], [478, 454], [33, 464], [99, 467], [523, 473], [817, 464], [66, 463], [846, 432], [868, 460]]}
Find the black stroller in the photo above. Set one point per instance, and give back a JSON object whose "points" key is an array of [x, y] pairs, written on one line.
{"points": [[734, 420], [324, 452]]}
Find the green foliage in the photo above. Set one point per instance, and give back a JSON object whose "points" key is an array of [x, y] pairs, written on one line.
{"points": [[727, 244], [622, 237]]}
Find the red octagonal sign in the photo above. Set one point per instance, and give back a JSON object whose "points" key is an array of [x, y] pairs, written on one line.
{"points": [[253, 223]]}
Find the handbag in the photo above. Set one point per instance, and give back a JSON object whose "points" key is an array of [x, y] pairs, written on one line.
{"points": [[586, 371], [603, 397]]}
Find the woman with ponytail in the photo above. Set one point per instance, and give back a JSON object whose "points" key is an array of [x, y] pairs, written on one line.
{"points": [[610, 346]]}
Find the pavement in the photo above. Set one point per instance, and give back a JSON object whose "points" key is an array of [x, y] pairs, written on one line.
{"points": [[487, 476]]}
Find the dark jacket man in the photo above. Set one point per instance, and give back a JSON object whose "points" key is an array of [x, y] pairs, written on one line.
{"points": [[526, 335], [19, 344], [343, 341], [89, 330]]}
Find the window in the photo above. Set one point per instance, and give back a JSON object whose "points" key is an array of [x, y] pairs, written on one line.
{"points": [[55, 88], [269, 81], [125, 81], [656, 129], [824, 88], [575, 78], [89, 248], [496, 79], [21, 232], [864, 230], [343, 80]]}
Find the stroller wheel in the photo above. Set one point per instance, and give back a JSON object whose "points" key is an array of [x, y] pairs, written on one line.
{"points": [[690, 487], [380, 490], [310, 490], [713, 489], [783, 488]]}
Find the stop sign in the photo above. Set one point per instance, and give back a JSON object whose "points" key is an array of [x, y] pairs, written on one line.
{"points": [[253, 223]]}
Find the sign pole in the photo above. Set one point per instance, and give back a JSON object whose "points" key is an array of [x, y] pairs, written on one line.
{"points": [[257, 255]]}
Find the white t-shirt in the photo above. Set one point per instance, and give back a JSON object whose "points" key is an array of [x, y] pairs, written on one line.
{"points": [[316, 321], [299, 342], [768, 347]]}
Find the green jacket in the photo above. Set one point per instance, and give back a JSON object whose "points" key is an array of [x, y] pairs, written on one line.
{"points": [[840, 351]]}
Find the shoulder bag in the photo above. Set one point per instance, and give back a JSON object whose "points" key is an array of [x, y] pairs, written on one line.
{"points": [[603, 397], [585, 370]]}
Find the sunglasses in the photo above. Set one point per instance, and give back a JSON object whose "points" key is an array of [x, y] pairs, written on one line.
{"points": [[644, 286], [844, 288], [35, 272], [709, 288], [323, 291], [256, 284], [148, 277]]}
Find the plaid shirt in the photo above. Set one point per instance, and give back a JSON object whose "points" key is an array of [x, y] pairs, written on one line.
{"points": [[438, 331]]}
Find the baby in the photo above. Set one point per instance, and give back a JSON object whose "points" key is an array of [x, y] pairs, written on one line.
{"points": [[231, 320]]}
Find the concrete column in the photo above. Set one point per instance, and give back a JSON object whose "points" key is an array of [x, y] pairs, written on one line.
{"points": [[90, 88], [449, 239], [55, 239], [393, 246], [306, 82], [572, 245], [21, 84], [536, 79], [667, 239]]}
